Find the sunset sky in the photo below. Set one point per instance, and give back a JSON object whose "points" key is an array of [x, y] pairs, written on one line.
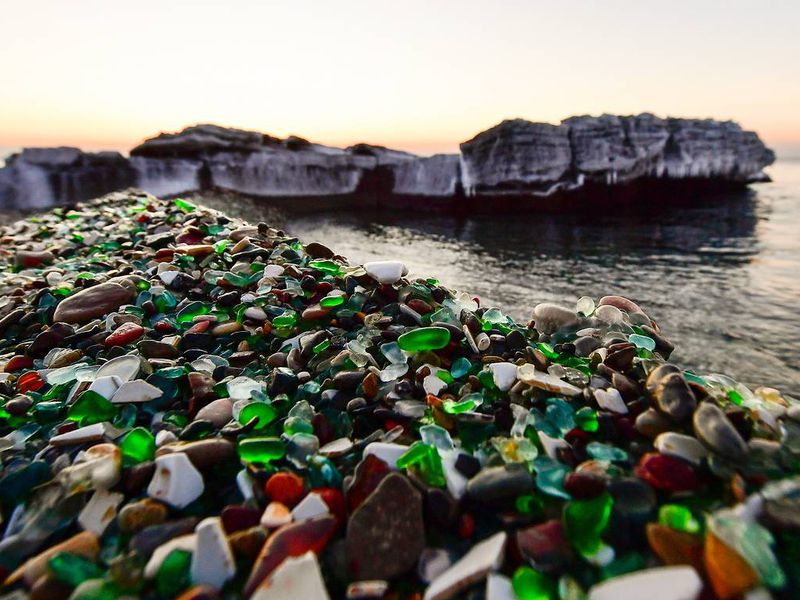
{"points": [[418, 75]]}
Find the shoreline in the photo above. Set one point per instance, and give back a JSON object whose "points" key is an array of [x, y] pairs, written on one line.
{"points": [[333, 408]]}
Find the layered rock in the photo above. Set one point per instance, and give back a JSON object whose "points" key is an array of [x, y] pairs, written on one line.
{"points": [[516, 156], [43, 177], [520, 157], [516, 159]]}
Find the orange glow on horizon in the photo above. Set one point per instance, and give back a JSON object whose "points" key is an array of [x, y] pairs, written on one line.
{"points": [[423, 79]]}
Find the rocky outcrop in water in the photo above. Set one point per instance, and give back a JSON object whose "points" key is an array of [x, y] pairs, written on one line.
{"points": [[515, 160], [519, 157], [42, 177]]}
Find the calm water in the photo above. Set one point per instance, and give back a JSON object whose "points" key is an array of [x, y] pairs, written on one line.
{"points": [[723, 280]]}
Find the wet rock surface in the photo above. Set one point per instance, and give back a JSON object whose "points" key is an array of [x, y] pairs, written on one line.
{"points": [[250, 414]]}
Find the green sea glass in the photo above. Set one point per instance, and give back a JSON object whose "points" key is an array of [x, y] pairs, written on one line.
{"points": [[90, 408], [530, 584], [424, 338], [138, 445], [261, 449], [585, 521]]}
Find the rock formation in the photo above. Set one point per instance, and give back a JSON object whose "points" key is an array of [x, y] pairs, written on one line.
{"points": [[43, 177], [513, 160]]}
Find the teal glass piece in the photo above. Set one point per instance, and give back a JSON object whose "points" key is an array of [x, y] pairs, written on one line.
{"points": [[600, 451], [560, 414], [550, 476], [642, 341], [461, 367]]}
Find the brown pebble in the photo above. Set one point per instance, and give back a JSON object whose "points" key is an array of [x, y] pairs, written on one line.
{"points": [[652, 423], [83, 544], [92, 303], [138, 515], [248, 543], [48, 587], [203, 453]]}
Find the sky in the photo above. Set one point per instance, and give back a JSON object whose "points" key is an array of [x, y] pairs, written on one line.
{"points": [[416, 75]]}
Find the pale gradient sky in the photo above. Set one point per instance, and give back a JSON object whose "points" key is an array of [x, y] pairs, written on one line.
{"points": [[418, 75]]}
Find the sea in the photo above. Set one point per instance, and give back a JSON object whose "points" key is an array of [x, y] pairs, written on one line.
{"points": [[721, 278]]}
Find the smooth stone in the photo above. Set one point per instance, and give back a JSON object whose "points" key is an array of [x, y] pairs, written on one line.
{"points": [[318, 250], [500, 483], [83, 544], [226, 328], [247, 543], [124, 367], [660, 583], [203, 453], [713, 428], [146, 541], [82, 435], [386, 271], [674, 396], [545, 546], [504, 375], [297, 578], [137, 390], [92, 303], [585, 345], [528, 374], [212, 559], [276, 515], [657, 374], [156, 349], [681, 446], [337, 447], [184, 542], [255, 313], [31, 258], [176, 481], [652, 423], [309, 507], [633, 498], [483, 558], [386, 534], [387, 452], [106, 385], [218, 412], [100, 511], [550, 317], [610, 399], [620, 302], [143, 513]]}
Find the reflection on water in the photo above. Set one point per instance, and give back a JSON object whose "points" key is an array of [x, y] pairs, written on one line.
{"points": [[722, 280]]}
